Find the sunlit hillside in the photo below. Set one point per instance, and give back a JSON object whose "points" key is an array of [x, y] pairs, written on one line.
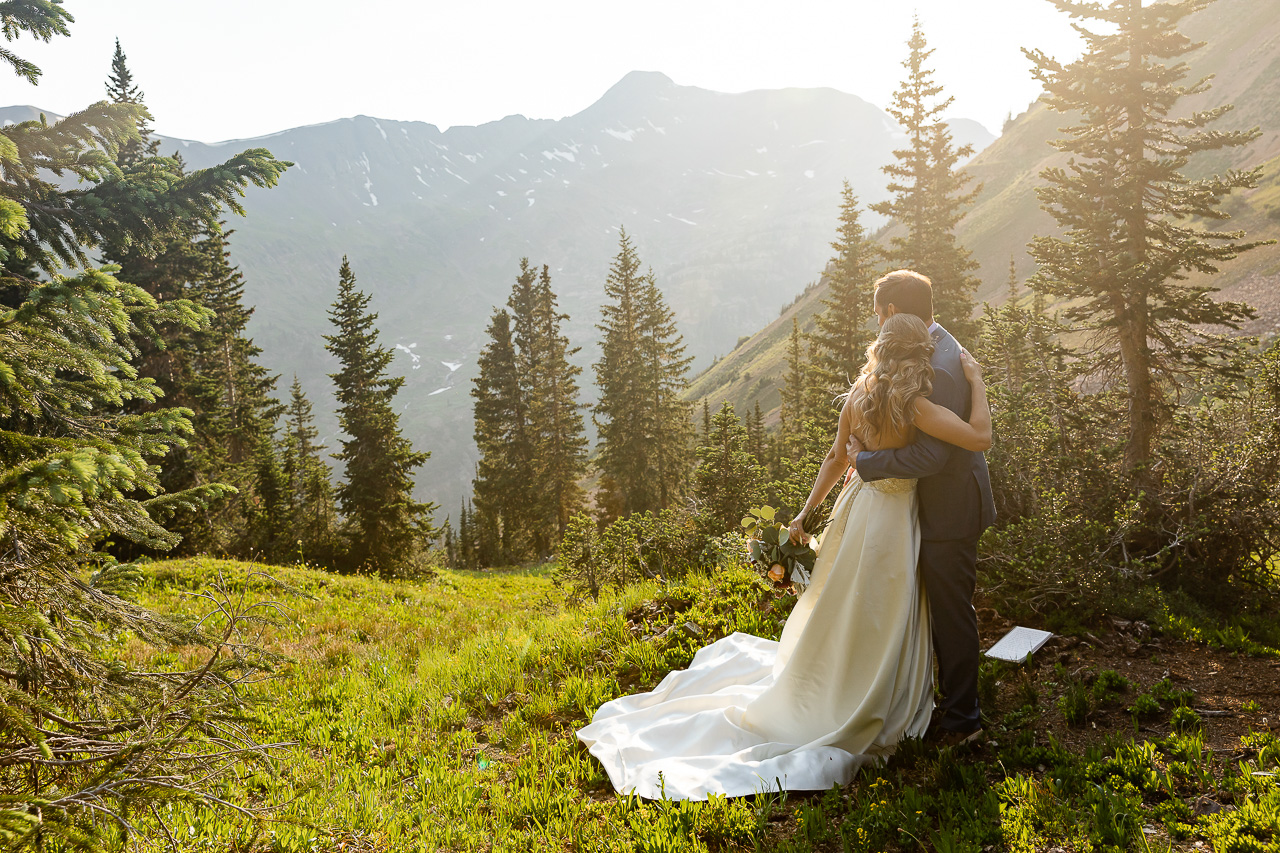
{"points": [[1243, 56]]}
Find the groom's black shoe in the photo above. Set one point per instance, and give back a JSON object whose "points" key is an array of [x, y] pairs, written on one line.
{"points": [[946, 737]]}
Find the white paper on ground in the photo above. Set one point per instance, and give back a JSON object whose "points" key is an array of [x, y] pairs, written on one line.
{"points": [[1018, 643]]}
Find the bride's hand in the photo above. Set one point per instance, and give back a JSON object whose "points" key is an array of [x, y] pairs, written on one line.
{"points": [[972, 370], [796, 530]]}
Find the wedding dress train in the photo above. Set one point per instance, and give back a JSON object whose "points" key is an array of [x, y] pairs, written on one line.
{"points": [[850, 677]]}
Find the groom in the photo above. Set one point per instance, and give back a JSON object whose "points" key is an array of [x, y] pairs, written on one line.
{"points": [[955, 501]]}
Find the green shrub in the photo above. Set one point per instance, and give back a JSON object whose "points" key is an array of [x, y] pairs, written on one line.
{"points": [[1145, 705], [1068, 529], [637, 547], [1074, 703], [1108, 686], [1185, 720]]}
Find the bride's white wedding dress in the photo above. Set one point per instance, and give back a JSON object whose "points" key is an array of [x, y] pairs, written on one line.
{"points": [[850, 677]]}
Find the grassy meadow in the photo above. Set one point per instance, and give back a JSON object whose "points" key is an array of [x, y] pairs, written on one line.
{"points": [[438, 715]]}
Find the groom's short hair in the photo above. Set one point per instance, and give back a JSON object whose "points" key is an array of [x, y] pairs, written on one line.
{"points": [[907, 291]]}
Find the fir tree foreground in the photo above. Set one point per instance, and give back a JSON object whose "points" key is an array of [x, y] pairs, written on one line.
{"points": [[89, 742]]}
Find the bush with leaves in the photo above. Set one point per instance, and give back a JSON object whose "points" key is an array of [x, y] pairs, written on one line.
{"points": [[642, 546], [1067, 526]]}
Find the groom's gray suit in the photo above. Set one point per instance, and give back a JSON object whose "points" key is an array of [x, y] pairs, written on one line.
{"points": [[955, 507]]}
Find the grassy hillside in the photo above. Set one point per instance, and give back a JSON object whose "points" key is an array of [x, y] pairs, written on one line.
{"points": [[1241, 53], [439, 715], [753, 372]]}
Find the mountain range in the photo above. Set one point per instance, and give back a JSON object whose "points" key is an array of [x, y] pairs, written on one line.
{"points": [[730, 198]]}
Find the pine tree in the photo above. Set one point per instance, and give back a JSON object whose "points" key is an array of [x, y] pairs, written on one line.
{"points": [[466, 551], [268, 519], [809, 418], [504, 484], [645, 428], [528, 427], [235, 411], [756, 437], [213, 371], [1126, 211], [306, 474], [122, 90], [842, 334], [796, 392], [85, 740], [663, 352], [383, 521], [728, 479], [556, 419], [450, 545], [929, 194]]}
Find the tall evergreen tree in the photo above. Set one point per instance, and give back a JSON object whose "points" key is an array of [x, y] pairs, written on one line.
{"points": [[842, 334], [805, 396], [795, 385], [645, 428], [383, 522], [233, 397], [554, 414], [212, 371], [728, 479], [929, 195], [504, 484], [756, 437], [122, 90], [667, 366], [83, 740], [312, 517], [528, 427], [1131, 219]]}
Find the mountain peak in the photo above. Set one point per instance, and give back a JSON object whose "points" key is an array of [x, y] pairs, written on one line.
{"points": [[639, 85]]}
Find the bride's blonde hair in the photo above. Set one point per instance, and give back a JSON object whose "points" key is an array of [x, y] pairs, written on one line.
{"points": [[896, 373]]}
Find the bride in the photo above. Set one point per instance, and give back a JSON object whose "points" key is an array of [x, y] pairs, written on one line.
{"points": [[852, 673]]}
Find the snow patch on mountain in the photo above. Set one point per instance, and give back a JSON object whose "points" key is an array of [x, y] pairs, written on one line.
{"points": [[417, 359], [624, 135]]}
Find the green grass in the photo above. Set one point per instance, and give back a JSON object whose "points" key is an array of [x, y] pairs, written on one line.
{"points": [[440, 715]]}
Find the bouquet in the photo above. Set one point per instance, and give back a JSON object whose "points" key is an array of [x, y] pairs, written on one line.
{"points": [[772, 550]]}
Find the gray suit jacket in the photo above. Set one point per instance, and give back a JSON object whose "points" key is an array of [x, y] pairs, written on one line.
{"points": [[955, 488]]}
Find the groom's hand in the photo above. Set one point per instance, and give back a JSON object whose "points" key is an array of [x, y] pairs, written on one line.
{"points": [[852, 449]]}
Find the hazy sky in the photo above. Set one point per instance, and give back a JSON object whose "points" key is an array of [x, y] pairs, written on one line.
{"points": [[241, 68]]}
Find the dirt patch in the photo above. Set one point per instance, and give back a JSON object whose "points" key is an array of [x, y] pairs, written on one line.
{"points": [[1233, 693]]}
